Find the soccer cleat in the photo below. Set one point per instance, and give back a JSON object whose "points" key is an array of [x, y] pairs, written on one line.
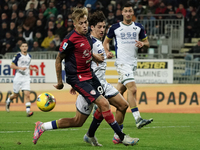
{"points": [[143, 122], [29, 114], [129, 140], [7, 107], [91, 140], [116, 140], [38, 131]]}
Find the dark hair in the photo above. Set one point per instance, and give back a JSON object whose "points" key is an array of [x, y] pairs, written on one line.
{"points": [[128, 4], [96, 17], [23, 42]]}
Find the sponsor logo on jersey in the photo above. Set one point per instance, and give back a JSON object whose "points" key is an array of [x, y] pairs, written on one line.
{"points": [[135, 28], [128, 35], [86, 53]]}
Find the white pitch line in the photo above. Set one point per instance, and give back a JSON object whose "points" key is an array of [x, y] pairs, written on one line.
{"points": [[168, 127], [76, 129]]}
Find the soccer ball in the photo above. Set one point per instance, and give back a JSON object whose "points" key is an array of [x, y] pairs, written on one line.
{"points": [[46, 102]]}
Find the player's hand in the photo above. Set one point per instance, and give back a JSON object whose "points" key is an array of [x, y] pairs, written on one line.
{"points": [[59, 86], [99, 57], [23, 68], [72, 91], [139, 44], [109, 55], [36, 70]]}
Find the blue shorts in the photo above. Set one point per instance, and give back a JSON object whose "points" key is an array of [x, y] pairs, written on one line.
{"points": [[89, 89]]}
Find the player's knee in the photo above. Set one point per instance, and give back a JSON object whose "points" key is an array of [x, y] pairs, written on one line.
{"points": [[27, 96], [15, 96], [123, 106], [103, 104], [133, 90], [121, 91]]}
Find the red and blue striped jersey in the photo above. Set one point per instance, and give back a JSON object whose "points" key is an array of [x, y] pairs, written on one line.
{"points": [[78, 51]]}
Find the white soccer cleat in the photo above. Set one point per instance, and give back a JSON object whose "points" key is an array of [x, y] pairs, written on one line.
{"points": [[143, 122], [129, 140], [7, 107], [91, 140]]}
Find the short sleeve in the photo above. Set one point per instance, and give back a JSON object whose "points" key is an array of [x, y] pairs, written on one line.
{"points": [[15, 59], [111, 33], [66, 46], [142, 34]]}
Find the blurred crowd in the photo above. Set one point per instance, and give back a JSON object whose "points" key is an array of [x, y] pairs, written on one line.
{"points": [[44, 23]]}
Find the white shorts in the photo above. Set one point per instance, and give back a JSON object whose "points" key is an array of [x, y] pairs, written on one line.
{"points": [[23, 84], [84, 108], [126, 73]]}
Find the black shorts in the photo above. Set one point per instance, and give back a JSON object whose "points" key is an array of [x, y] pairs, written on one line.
{"points": [[89, 89]]}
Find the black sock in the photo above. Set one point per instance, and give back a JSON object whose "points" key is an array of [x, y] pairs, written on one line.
{"points": [[93, 127], [117, 129]]}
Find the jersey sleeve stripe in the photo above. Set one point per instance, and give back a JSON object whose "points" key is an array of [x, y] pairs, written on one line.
{"points": [[108, 38], [144, 38]]}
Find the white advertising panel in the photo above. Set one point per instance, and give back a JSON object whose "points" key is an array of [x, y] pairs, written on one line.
{"points": [[148, 71], [46, 71], [154, 71]]}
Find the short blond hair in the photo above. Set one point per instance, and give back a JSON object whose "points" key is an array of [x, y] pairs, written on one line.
{"points": [[79, 13]]}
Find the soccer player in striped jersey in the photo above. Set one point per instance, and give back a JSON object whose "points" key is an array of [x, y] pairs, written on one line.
{"points": [[127, 35], [21, 63], [76, 49]]}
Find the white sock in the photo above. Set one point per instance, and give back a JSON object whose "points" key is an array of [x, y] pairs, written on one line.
{"points": [[136, 115], [47, 126], [28, 107], [8, 100]]}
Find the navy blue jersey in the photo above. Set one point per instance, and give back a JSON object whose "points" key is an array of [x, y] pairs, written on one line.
{"points": [[78, 50]]}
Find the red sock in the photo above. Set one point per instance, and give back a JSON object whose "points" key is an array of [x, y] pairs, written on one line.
{"points": [[108, 116]]}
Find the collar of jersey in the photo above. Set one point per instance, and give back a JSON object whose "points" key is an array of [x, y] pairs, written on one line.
{"points": [[78, 33], [127, 24], [96, 38]]}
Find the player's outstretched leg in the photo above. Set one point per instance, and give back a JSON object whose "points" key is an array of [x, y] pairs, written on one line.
{"points": [[91, 140], [143, 122], [38, 131]]}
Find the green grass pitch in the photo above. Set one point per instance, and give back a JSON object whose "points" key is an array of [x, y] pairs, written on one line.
{"points": [[166, 132]]}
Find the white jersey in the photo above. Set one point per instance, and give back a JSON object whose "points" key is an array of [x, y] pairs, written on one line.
{"points": [[125, 36], [21, 60], [101, 68], [81, 104]]}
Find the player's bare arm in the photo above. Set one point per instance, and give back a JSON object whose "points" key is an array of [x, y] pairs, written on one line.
{"points": [[13, 66], [98, 57], [140, 44], [106, 48], [58, 65], [34, 69]]}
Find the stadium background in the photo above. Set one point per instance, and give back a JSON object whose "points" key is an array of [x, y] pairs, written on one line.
{"points": [[43, 24]]}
